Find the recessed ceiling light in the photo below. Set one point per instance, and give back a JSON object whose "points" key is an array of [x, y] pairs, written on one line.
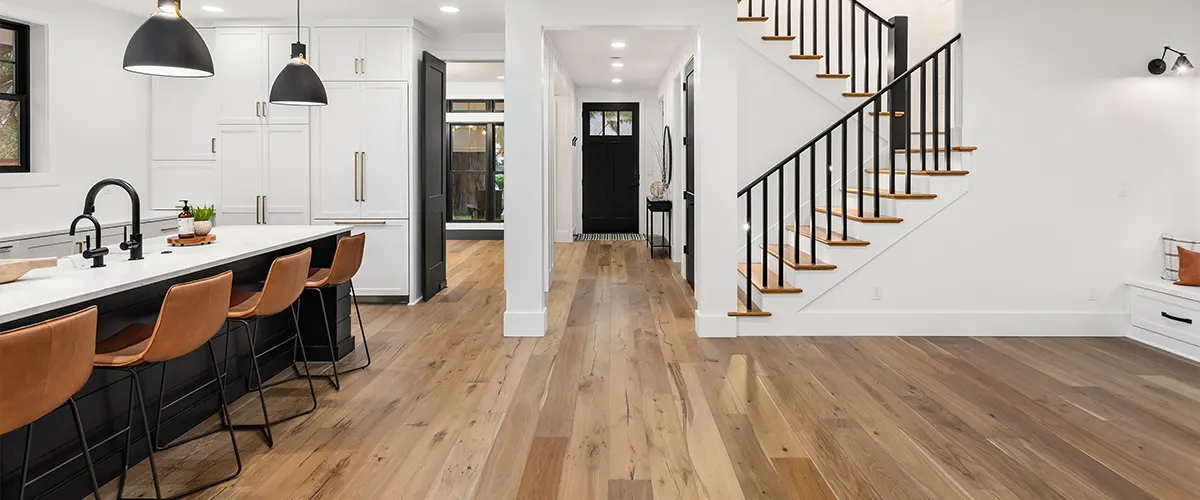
{"points": [[618, 64], [616, 80], [501, 77], [212, 8], [618, 45], [449, 9]]}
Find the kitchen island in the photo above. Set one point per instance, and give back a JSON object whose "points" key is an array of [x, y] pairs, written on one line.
{"points": [[131, 291]]}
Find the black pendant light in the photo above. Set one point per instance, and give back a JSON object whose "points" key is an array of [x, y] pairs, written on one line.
{"points": [[168, 45], [298, 84]]}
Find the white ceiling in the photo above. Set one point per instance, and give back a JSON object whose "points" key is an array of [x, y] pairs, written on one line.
{"points": [[475, 16], [648, 53], [478, 72]]}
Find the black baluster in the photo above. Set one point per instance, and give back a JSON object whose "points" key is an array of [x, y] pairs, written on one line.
{"points": [[853, 49], [796, 208], [816, 47], [829, 188], [866, 52], [800, 29], [936, 153], [776, 17], [789, 17], [762, 8], [949, 103], [908, 140], [845, 182], [812, 199], [766, 196], [828, 53], [749, 249], [841, 24], [861, 164], [875, 182], [879, 53], [891, 146], [924, 113], [782, 180]]}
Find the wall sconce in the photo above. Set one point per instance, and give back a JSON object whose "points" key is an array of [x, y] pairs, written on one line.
{"points": [[1182, 64]]}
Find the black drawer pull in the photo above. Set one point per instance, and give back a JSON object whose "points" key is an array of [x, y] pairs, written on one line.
{"points": [[1176, 318]]}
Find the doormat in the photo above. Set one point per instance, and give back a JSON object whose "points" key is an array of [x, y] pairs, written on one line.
{"points": [[610, 237]]}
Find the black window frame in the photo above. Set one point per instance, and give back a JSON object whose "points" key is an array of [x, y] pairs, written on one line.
{"points": [[489, 106], [21, 95], [492, 216]]}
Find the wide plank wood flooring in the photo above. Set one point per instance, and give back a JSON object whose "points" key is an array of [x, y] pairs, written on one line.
{"points": [[622, 401]]}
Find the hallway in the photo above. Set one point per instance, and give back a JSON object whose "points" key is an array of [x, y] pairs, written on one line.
{"points": [[622, 401]]}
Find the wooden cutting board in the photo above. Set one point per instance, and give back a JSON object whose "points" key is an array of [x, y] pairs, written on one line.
{"points": [[176, 241], [12, 270]]}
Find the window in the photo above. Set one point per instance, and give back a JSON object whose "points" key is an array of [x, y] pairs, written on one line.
{"points": [[476, 172], [610, 123], [14, 97], [477, 106]]}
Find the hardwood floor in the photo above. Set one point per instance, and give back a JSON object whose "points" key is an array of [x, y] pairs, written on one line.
{"points": [[622, 401]]}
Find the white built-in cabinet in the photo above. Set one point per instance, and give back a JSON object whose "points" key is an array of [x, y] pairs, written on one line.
{"points": [[362, 54], [384, 270], [264, 174], [247, 61]]}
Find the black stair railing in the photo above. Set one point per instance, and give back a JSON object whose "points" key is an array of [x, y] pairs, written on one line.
{"points": [[892, 102]]}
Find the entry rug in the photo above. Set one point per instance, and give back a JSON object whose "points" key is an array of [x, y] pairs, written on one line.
{"points": [[610, 237]]}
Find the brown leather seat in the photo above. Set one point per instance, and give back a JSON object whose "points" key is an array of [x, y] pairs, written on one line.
{"points": [[346, 262], [43, 365], [285, 282], [191, 314]]}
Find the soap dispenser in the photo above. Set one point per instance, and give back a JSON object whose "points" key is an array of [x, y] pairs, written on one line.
{"points": [[186, 222]]}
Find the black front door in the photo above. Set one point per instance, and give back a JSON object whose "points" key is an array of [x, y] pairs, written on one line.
{"points": [[433, 175], [610, 168], [689, 193]]}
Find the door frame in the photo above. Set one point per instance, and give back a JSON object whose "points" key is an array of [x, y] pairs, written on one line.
{"points": [[689, 172], [586, 137]]}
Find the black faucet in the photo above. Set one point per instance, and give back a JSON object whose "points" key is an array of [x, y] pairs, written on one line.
{"points": [[134, 244], [96, 254]]}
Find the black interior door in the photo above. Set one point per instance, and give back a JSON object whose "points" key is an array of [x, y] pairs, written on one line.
{"points": [[433, 175], [689, 193], [610, 168]]}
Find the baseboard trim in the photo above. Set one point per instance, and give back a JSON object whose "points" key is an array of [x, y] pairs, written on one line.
{"points": [[564, 236], [525, 324], [1165, 343], [716, 326], [383, 299], [475, 234], [937, 324]]}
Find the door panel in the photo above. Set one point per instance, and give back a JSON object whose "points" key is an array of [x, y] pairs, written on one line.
{"points": [[611, 180], [384, 170], [287, 197], [689, 194], [279, 54], [242, 176], [338, 133], [385, 260], [241, 75], [337, 51], [433, 175], [183, 114], [383, 54]]}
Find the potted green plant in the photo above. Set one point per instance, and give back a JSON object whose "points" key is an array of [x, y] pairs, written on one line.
{"points": [[204, 215]]}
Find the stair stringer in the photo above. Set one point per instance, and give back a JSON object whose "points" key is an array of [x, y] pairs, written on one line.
{"points": [[788, 311], [779, 53]]}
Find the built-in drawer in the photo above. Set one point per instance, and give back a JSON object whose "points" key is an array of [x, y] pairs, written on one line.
{"points": [[1166, 315]]}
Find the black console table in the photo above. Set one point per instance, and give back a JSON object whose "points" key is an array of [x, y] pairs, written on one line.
{"points": [[654, 241]]}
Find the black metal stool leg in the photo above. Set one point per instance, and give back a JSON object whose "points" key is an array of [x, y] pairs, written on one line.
{"points": [[307, 369], [137, 389], [337, 383], [87, 454], [128, 445], [362, 331], [25, 462], [262, 398], [237, 456]]}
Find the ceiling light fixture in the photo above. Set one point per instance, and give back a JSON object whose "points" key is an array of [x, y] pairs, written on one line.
{"points": [[616, 80], [450, 9], [212, 8], [501, 77], [1159, 66], [298, 84], [617, 63], [168, 45], [618, 45]]}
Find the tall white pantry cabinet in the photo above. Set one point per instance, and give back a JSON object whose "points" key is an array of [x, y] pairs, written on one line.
{"points": [[219, 140]]}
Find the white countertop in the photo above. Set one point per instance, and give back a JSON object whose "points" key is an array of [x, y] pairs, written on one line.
{"points": [[72, 282]]}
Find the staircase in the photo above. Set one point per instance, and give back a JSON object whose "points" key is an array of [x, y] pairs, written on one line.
{"points": [[866, 182]]}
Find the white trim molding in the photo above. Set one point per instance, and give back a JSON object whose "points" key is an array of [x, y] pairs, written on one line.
{"points": [[942, 324], [525, 324], [716, 326]]}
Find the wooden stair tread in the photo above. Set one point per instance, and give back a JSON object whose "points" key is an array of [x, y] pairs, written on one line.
{"points": [[955, 149], [752, 19], [832, 75], [807, 263], [854, 216], [885, 193], [930, 173], [837, 241], [858, 94], [806, 57], [897, 114], [772, 285], [742, 312], [778, 38]]}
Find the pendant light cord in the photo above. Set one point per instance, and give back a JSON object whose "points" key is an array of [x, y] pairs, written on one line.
{"points": [[298, 40]]}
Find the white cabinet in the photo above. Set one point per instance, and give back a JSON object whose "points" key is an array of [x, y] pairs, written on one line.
{"points": [[384, 270], [183, 116], [362, 151], [264, 174], [362, 54], [247, 61], [199, 182]]}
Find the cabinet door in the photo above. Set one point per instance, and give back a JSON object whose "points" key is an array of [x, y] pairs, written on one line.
{"points": [[338, 51], [384, 169], [64, 245], [287, 175], [338, 139], [199, 182], [184, 118], [384, 55], [279, 54], [242, 177], [384, 271], [241, 75]]}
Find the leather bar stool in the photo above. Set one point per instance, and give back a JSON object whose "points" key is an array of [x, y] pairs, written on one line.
{"points": [[191, 314], [41, 368], [346, 262], [284, 284]]}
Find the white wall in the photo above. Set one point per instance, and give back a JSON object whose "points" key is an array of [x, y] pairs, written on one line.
{"points": [[91, 118], [468, 47], [670, 92], [1085, 159], [930, 22], [525, 94]]}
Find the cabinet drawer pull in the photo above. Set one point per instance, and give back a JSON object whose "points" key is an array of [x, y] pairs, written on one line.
{"points": [[6, 249], [367, 223], [1176, 318], [214, 145], [167, 229]]}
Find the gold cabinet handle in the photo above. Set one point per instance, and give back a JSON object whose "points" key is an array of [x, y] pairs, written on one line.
{"points": [[257, 213], [364, 65], [264, 105], [362, 176], [356, 71], [356, 176], [214, 145], [264, 209], [257, 110]]}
